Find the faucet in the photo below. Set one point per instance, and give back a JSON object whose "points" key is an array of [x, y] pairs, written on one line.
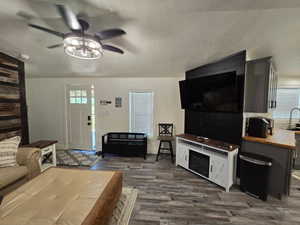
{"points": [[291, 116]]}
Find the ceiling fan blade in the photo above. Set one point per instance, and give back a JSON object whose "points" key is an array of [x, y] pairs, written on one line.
{"points": [[110, 33], [55, 46], [25, 15], [57, 33], [69, 17], [112, 48]]}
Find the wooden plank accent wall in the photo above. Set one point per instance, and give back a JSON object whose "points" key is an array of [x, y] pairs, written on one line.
{"points": [[13, 107]]}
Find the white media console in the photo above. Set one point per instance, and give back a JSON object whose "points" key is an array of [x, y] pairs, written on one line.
{"points": [[211, 159]]}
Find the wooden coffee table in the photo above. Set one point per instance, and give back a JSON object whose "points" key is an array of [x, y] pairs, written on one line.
{"points": [[48, 150], [64, 196]]}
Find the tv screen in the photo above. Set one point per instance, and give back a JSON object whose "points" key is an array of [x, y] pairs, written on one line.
{"points": [[183, 94], [214, 93]]}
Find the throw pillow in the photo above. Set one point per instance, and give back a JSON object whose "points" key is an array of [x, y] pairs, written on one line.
{"points": [[8, 151]]}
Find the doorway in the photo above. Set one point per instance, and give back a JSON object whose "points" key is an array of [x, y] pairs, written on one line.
{"points": [[81, 121]]}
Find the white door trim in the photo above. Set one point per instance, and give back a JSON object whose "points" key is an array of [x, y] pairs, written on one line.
{"points": [[67, 145]]}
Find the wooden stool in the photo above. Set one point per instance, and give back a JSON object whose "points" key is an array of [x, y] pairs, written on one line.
{"points": [[165, 131]]}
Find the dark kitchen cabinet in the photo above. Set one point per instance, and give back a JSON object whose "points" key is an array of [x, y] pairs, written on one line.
{"points": [[260, 86]]}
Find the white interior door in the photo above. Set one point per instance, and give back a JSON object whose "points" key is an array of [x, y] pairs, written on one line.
{"points": [[81, 120]]}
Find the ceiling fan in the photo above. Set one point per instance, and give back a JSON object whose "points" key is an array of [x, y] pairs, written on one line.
{"points": [[78, 43]]}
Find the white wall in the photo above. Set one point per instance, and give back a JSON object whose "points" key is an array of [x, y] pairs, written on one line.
{"points": [[47, 108], [289, 82]]}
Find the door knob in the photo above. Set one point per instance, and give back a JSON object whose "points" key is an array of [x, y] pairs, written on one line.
{"points": [[89, 124]]}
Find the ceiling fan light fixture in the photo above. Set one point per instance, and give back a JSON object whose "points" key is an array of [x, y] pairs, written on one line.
{"points": [[77, 43], [82, 47]]}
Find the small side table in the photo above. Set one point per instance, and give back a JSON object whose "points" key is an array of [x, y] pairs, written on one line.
{"points": [[48, 150]]}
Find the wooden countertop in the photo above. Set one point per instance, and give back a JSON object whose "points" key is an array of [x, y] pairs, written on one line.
{"points": [[281, 138], [210, 142]]}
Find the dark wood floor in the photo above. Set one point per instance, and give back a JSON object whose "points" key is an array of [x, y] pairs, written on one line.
{"points": [[170, 195]]}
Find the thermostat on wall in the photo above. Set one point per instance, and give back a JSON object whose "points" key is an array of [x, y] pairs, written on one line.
{"points": [[118, 102]]}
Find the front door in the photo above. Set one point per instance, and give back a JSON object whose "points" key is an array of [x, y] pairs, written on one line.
{"points": [[81, 120]]}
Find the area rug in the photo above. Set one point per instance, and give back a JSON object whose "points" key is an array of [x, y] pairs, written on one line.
{"points": [[76, 158], [296, 174], [124, 208]]}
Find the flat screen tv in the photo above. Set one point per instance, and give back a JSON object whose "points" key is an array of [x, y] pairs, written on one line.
{"points": [[213, 93]]}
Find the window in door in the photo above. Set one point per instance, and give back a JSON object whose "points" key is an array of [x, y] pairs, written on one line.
{"points": [[78, 96], [141, 112]]}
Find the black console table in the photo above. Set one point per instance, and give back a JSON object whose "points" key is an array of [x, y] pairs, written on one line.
{"points": [[125, 144]]}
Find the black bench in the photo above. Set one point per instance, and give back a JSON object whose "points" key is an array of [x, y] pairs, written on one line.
{"points": [[124, 143]]}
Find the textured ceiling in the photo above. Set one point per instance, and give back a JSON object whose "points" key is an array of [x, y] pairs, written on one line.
{"points": [[165, 37]]}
